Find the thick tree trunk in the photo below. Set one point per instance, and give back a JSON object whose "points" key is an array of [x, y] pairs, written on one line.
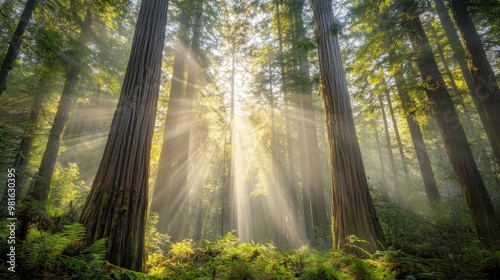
{"points": [[170, 197], [15, 43], [117, 204], [353, 211], [453, 135], [41, 185], [480, 85]]}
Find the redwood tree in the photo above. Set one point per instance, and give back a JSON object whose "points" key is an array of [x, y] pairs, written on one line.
{"points": [[451, 130], [117, 204], [353, 212], [488, 92]]}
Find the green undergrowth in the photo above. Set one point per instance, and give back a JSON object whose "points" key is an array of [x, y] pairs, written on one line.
{"points": [[229, 259], [417, 249]]}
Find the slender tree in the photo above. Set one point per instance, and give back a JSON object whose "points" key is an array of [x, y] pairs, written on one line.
{"points": [[304, 88], [15, 43], [417, 138], [41, 185], [169, 196], [353, 212], [396, 133], [187, 115], [387, 137], [117, 204]]}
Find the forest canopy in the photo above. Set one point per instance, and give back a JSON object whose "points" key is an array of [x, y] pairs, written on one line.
{"points": [[263, 139]]}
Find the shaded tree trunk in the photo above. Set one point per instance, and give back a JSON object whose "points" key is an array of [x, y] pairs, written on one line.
{"points": [[15, 43], [233, 218], [398, 137], [41, 185], [170, 197], [291, 176], [417, 138], [225, 180], [388, 140], [23, 153], [312, 178], [187, 116], [379, 151], [453, 135], [478, 86], [353, 211], [117, 203]]}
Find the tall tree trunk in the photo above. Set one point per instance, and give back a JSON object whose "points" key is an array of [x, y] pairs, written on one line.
{"points": [[453, 135], [379, 151], [233, 217], [223, 193], [478, 86], [291, 176], [398, 137], [353, 212], [288, 124], [187, 116], [41, 185], [417, 138], [312, 174], [169, 197], [388, 141], [15, 43], [117, 203], [306, 196]]}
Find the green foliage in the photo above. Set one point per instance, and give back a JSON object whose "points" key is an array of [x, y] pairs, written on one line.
{"points": [[43, 248], [65, 188], [436, 245], [228, 259]]}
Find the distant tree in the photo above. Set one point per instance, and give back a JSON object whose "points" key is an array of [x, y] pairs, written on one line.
{"points": [[417, 138], [117, 204], [187, 115], [309, 152], [353, 212], [170, 197], [40, 187], [15, 43]]}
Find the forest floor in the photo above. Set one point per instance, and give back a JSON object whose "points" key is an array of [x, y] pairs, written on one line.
{"points": [[47, 255], [417, 247]]}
